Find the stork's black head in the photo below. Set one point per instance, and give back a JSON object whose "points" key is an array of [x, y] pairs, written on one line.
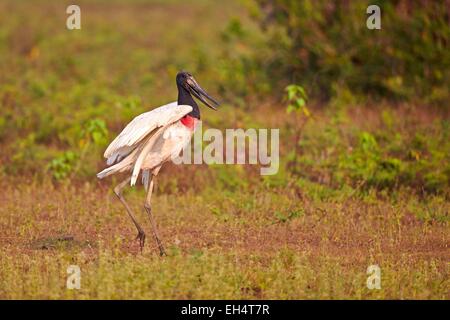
{"points": [[187, 86]]}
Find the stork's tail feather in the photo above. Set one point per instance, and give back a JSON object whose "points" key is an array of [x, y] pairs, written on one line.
{"points": [[118, 167], [106, 172]]}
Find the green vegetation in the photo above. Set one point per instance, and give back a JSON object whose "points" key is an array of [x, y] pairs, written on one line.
{"points": [[398, 152], [326, 46], [364, 148]]}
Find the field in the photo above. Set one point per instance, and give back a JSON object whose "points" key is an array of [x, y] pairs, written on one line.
{"points": [[366, 184]]}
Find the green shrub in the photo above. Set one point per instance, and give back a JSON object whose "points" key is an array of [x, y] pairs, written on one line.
{"points": [[336, 156], [327, 47], [63, 165]]}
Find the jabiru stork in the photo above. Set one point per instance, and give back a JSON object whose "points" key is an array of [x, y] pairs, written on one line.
{"points": [[150, 140]]}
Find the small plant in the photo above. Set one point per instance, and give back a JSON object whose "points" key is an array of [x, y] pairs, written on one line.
{"points": [[283, 217], [368, 165], [62, 166], [94, 134], [95, 131], [297, 98]]}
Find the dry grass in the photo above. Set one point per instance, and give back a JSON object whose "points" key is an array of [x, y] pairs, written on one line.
{"points": [[221, 245]]}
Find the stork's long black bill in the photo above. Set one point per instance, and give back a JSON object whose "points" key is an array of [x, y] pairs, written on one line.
{"points": [[201, 94]]}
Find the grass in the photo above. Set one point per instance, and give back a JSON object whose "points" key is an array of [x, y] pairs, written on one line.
{"points": [[369, 184], [220, 245]]}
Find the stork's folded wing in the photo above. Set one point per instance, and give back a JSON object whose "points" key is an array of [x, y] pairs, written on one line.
{"points": [[140, 127]]}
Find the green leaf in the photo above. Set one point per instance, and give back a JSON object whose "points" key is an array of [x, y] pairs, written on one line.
{"points": [[300, 102], [302, 92], [291, 92], [290, 108]]}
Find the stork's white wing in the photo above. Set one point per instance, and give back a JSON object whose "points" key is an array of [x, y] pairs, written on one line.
{"points": [[140, 127]]}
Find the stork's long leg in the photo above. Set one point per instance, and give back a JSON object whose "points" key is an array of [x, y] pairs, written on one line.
{"points": [[118, 191], [148, 208]]}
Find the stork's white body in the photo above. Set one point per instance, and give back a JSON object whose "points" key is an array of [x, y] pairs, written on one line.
{"points": [[150, 140]]}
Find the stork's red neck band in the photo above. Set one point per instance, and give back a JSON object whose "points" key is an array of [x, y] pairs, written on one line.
{"points": [[188, 121]]}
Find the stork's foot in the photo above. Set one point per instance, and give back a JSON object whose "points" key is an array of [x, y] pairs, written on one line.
{"points": [[141, 237]]}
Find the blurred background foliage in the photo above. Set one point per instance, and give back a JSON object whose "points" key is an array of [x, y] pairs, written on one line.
{"points": [[325, 45], [368, 109]]}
